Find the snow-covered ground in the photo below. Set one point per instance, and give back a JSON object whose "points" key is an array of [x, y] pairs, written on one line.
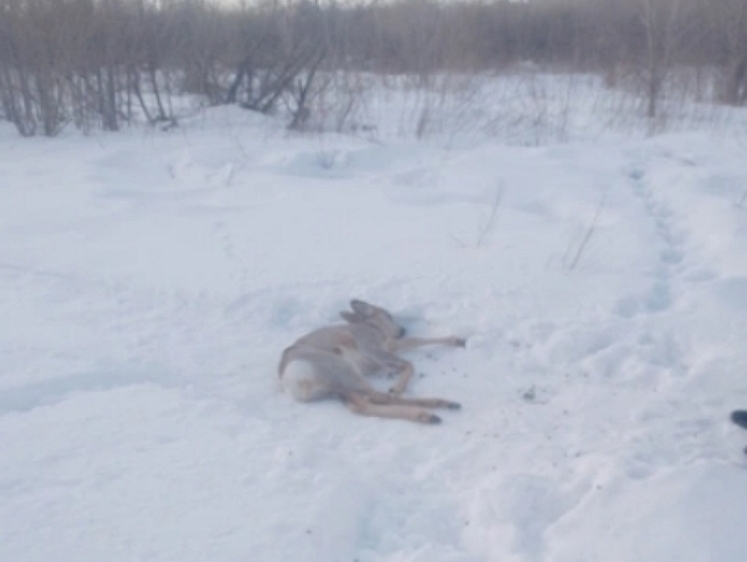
{"points": [[149, 281]]}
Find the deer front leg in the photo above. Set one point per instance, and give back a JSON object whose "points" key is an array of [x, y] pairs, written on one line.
{"points": [[406, 344], [390, 362], [404, 379]]}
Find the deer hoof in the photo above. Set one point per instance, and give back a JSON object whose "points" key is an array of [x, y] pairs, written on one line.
{"points": [[739, 417], [427, 417]]}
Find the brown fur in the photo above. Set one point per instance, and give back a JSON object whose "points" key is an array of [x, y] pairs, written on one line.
{"points": [[333, 362]]}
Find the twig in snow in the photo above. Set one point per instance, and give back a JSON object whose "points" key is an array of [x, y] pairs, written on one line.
{"points": [[742, 199], [483, 229], [237, 141], [488, 226], [589, 233], [460, 243]]}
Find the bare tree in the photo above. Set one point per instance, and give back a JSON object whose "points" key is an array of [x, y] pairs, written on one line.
{"points": [[103, 63], [659, 19], [731, 18]]}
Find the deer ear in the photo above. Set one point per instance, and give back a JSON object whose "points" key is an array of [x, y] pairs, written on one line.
{"points": [[360, 306], [351, 317]]}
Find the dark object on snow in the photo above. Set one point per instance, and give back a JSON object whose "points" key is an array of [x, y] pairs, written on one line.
{"points": [[739, 417]]}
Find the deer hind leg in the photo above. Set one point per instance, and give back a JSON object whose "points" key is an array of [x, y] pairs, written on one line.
{"points": [[361, 405], [376, 397]]}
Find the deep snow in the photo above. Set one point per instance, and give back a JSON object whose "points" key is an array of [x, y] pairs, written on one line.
{"points": [[150, 280]]}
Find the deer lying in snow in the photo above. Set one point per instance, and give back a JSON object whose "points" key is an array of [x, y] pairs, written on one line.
{"points": [[332, 362]]}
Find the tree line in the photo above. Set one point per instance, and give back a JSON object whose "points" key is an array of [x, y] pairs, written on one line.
{"points": [[105, 63]]}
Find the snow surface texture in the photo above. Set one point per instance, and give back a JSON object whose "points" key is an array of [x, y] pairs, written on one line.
{"points": [[150, 280]]}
